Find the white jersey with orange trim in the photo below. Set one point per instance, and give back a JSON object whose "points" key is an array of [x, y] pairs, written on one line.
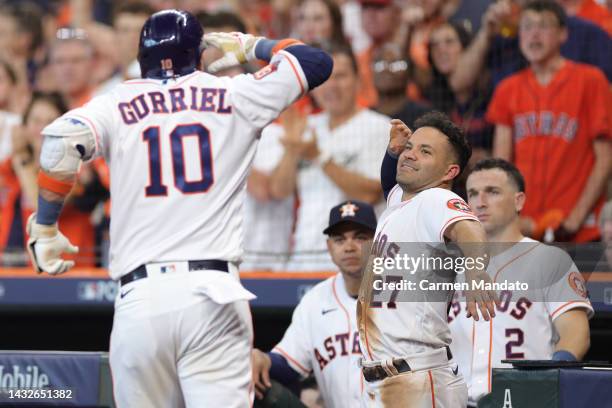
{"points": [[323, 339], [179, 151], [397, 329], [523, 328]]}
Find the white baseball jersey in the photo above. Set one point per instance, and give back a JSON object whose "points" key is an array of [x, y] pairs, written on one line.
{"points": [[323, 339], [267, 225], [522, 328], [358, 146], [396, 329], [179, 152]]}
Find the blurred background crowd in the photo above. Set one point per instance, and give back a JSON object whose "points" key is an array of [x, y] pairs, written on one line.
{"points": [[392, 59]]}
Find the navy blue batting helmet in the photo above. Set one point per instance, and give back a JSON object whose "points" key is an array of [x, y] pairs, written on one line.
{"points": [[170, 44]]}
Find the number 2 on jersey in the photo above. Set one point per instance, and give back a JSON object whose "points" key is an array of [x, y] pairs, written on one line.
{"points": [[156, 186]]}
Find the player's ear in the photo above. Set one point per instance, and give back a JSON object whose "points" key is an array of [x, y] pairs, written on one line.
{"points": [[563, 35], [452, 172], [519, 201]]}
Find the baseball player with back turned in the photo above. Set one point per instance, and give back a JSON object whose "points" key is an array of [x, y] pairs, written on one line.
{"points": [[323, 338], [405, 345], [179, 143], [550, 321]]}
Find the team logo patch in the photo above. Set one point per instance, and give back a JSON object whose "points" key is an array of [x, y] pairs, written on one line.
{"points": [[577, 283], [265, 71], [348, 210], [459, 205]]}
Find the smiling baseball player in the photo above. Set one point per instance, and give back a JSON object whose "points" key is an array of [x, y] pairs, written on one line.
{"points": [[323, 338], [406, 357], [179, 143]]}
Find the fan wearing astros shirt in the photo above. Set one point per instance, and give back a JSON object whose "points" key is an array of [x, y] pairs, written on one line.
{"points": [[554, 122], [323, 338]]}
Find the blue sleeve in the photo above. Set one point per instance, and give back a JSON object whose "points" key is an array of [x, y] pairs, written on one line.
{"points": [[281, 371], [388, 172], [48, 211], [316, 64]]}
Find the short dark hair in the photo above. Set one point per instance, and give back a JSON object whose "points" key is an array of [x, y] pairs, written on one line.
{"points": [[221, 19], [540, 6], [510, 169], [341, 48], [53, 98], [133, 7], [441, 122]]}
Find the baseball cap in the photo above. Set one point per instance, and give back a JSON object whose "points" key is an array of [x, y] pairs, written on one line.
{"points": [[381, 3], [353, 211]]}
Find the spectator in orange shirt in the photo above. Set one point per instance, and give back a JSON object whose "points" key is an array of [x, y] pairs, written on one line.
{"points": [[553, 119], [589, 10]]}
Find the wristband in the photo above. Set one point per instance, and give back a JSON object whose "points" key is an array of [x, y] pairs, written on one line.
{"points": [[563, 355]]}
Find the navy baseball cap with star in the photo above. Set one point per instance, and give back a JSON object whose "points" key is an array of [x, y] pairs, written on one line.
{"points": [[352, 211]]}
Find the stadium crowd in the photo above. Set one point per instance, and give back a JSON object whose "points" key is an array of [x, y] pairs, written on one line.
{"points": [[495, 72]]}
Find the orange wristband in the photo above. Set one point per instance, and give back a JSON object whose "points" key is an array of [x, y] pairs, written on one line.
{"points": [[282, 44], [55, 186]]}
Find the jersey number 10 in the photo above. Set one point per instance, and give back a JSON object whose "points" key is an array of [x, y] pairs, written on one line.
{"points": [[156, 186]]}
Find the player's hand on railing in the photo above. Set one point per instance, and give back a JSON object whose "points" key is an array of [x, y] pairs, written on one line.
{"points": [[46, 244], [237, 48], [261, 372], [479, 297], [399, 135]]}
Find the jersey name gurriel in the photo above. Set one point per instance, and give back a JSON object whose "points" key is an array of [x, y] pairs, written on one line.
{"points": [[195, 99]]}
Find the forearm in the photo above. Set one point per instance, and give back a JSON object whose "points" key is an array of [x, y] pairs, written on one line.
{"points": [[283, 180], [258, 185], [388, 173], [470, 64], [352, 184], [281, 371], [574, 333], [503, 143], [52, 193], [575, 344], [596, 183], [26, 174]]}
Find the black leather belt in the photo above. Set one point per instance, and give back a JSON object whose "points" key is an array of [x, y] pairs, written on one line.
{"points": [[377, 372], [204, 264]]}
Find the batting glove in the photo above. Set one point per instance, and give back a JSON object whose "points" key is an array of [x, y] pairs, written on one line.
{"points": [[45, 247], [237, 48]]}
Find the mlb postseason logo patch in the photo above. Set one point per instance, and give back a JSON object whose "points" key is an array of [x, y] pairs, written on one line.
{"points": [[267, 70], [577, 283], [459, 205]]}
